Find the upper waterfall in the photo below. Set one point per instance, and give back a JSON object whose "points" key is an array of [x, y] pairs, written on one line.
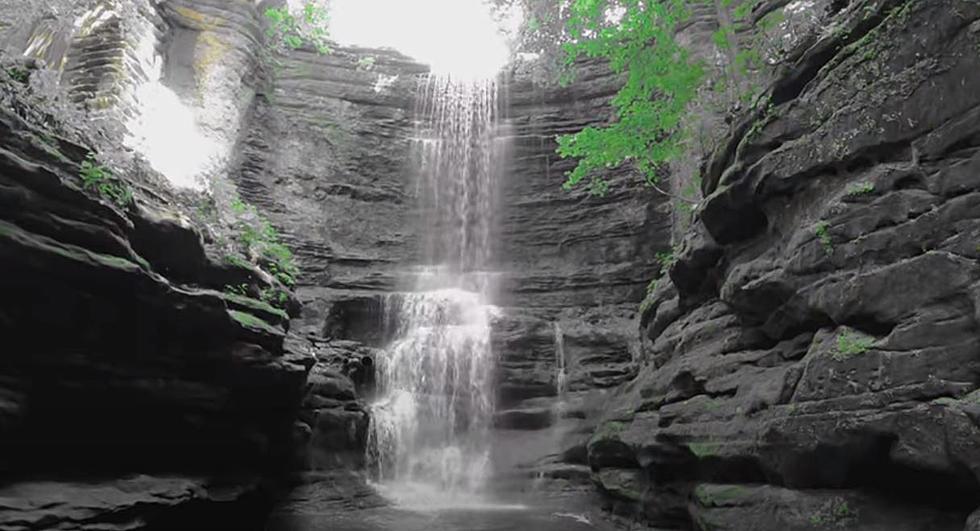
{"points": [[428, 441]]}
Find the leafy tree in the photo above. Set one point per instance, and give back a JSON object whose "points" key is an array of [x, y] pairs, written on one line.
{"points": [[638, 39], [663, 78]]}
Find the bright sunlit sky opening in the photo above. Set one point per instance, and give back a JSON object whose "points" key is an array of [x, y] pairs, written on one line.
{"points": [[455, 37]]}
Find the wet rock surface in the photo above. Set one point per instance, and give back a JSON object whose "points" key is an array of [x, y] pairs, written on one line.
{"points": [[135, 392], [818, 347]]}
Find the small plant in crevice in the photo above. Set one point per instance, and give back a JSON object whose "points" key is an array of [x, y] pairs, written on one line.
{"points": [[648, 299], [822, 231], [833, 513], [275, 296], [18, 74], [666, 259], [702, 450], [652, 286], [861, 188], [850, 345], [291, 31], [237, 289], [236, 260], [98, 178], [366, 63], [261, 243]]}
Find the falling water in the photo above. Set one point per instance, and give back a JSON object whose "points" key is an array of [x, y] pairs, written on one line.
{"points": [[428, 441], [561, 377]]}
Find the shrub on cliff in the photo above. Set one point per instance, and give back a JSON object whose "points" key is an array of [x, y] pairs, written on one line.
{"points": [[288, 30]]}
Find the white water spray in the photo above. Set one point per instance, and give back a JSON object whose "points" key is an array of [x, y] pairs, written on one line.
{"points": [[429, 438], [561, 376]]}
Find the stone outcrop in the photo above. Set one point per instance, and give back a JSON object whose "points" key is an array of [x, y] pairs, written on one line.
{"points": [[813, 361], [568, 258], [134, 391]]}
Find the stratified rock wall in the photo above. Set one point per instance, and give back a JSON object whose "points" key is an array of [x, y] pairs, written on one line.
{"points": [[329, 158], [815, 360], [573, 265], [134, 391]]}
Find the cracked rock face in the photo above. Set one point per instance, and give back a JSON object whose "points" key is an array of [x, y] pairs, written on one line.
{"points": [[134, 391], [821, 332]]}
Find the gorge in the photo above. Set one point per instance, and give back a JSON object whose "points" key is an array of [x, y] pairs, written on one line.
{"points": [[383, 311]]}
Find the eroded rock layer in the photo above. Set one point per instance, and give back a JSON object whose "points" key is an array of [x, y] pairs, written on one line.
{"points": [[134, 391], [814, 360]]}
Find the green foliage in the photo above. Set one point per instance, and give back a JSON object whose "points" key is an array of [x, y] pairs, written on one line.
{"points": [[823, 234], [850, 345], [861, 188], [275, 296], [648, 300], [262, 242], [667, 259], [609, 430], [237, 300], [366, 63], [292, 31], [237, 260], [18, 74], [100, 179], [652, 286], [249, 320], [237, 289], [703, 449], [833, 513], [661, 81]]}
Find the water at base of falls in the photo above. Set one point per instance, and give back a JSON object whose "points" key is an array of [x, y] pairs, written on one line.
{"points": [[428, 442], [429, 431]]}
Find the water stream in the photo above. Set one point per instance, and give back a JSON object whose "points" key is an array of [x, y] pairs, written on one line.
{"points": [[561, 376], [428, 443]]}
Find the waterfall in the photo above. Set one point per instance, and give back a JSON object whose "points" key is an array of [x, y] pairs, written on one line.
{"points": [[430, 425], [561, 377]]}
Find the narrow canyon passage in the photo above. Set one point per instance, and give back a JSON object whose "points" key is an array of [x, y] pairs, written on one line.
{"points": [[490, 265]]}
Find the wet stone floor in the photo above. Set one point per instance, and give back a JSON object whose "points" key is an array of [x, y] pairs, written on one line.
{"points": [[340, 504]]}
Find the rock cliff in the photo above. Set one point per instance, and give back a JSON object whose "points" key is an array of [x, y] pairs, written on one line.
{"points": [[134, 391], [812, 361]]}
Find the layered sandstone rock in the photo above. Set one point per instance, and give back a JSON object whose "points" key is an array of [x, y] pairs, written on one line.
{"points": [[819, 333]]}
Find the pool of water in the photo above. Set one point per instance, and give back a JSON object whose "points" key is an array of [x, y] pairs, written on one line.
{"points": [[486, 518], [341, 504]]}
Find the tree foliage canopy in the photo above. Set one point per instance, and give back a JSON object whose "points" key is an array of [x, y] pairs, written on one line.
{"points": [[638, 39]]}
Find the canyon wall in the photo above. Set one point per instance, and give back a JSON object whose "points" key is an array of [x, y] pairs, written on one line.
{"points": [[810, 360], [813, 359], [134, 391]]}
